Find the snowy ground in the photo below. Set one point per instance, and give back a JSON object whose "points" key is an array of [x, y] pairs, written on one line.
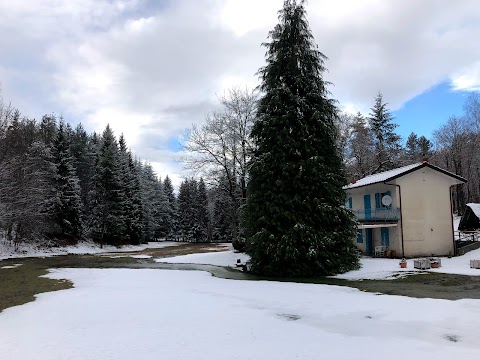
{"points": [[7, 251], [384, 269], [163, 314], [224, 258]]}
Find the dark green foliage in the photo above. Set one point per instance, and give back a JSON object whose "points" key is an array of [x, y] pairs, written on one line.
{"points": [[154, 204], [68, 205], [171, 213], [417, 148], [132, 209], [295, 220], [84, 149], [386, 141], [192, 211], [222, 217], [202, 213], [424, 147], [108, 225]]}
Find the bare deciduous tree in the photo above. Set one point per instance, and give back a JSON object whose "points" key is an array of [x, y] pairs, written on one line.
{"points": [[220, 148]]}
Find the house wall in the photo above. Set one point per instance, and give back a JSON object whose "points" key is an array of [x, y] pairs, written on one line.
{"points": [[426, 213]]}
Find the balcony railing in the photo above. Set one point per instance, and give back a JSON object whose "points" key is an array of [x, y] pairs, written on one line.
{"points": [[380, 214]]}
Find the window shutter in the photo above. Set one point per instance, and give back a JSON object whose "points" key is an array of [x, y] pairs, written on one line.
{"points": [[350, 202], [359, 237], [377, 201]]}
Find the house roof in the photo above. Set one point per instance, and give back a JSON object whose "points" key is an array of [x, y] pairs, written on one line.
{"points": [[475, 208], [396, 173]]}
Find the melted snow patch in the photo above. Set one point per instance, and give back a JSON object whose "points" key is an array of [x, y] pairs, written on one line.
{"points": [[223, 258], [11, 266]]}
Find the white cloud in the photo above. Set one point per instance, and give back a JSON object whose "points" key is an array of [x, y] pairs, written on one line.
{"points": [[468, 78]]}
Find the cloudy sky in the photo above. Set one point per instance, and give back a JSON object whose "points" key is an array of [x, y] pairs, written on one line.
{"points": [[152, 68]]}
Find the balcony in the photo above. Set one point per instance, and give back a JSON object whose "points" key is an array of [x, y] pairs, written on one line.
{"points": [[380, 214]]}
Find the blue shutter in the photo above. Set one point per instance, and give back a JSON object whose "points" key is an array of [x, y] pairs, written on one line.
{"points": [[350, 202], [359, 237], [385, 236], [367, 206], [377, 201]]}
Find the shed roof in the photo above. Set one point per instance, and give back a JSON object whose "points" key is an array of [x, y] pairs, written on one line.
{"points": [[475, 208], [396, 173]]}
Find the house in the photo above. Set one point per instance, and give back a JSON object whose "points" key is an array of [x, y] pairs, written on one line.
{"points": [[470, 220], [406, 211]]}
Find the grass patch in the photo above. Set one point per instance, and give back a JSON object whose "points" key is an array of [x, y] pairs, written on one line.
{"points": [[19, 285]]}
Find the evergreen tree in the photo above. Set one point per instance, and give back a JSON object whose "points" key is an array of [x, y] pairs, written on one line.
{"points": [[154, 203], [411, 148], [387, 146], [187, 211], [222, 216], [48, 129], [424, 147], [84, 151], [297, 225], [202, 212], [108, 219], [132, 202], [417, 148], [68, 206], [171, 214], [184, 201]]}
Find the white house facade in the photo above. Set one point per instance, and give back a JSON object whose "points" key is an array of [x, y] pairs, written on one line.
{"points": [[405, 212]]}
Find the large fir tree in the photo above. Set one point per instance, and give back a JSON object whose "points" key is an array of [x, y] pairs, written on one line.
{"points": [[295, 220]]}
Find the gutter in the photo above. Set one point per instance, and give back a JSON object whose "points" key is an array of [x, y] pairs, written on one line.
{"points": [[401, 214], [450, 193]]}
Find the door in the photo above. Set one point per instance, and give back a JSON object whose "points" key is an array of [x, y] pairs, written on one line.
{"points": [[369, 241], [385, 236], [367, 206]]}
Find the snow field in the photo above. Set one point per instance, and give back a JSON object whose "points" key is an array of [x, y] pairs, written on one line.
{"points": [[164, 314]]}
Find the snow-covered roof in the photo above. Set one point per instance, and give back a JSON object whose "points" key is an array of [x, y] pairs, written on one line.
{"points": [[475, 208], [395, 173]]}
